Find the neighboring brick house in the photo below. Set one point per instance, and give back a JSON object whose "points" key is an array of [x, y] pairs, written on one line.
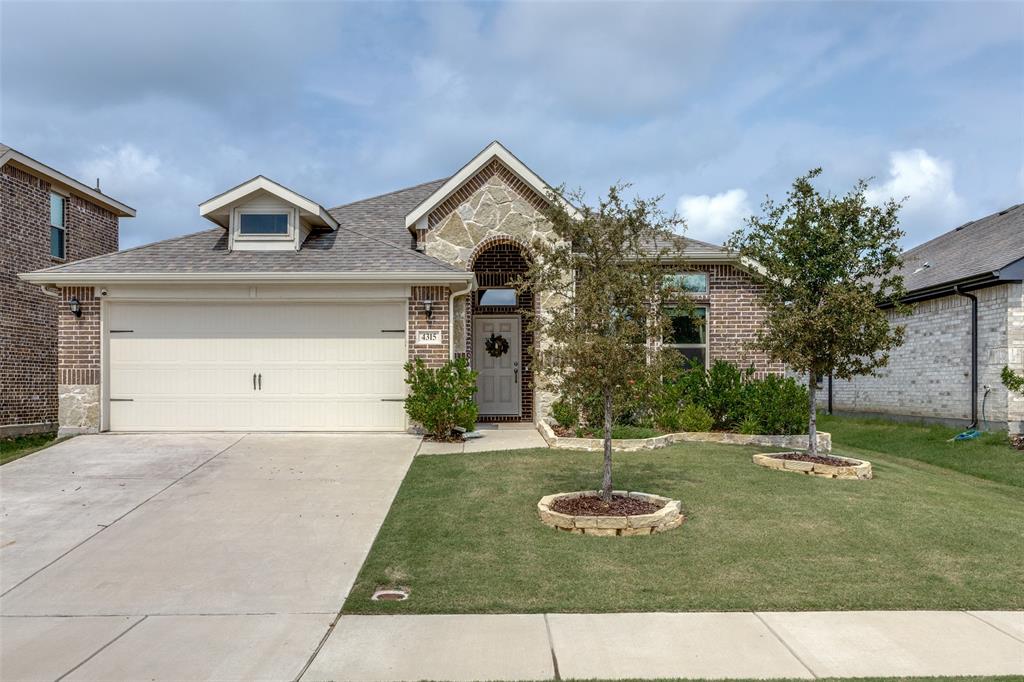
{"points": [[46, 218], [289, 316], [948, 366]]}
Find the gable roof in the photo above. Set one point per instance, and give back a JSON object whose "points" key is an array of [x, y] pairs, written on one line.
{"points": [[11, 155], [495, 150], [216, 208], [979, 248]]}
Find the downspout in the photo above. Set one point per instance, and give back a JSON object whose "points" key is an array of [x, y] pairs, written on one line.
{"points": [[451, 317], [51, 291], [974, 354]]}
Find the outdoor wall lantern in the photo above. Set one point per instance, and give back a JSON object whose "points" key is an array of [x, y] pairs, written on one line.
{"points": [[428, 308], [75, 306]]}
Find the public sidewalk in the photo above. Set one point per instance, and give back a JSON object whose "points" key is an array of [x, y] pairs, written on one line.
{"points": [[672, 645]]}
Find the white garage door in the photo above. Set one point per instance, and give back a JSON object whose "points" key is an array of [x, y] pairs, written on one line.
{"points": [[256, 366]]}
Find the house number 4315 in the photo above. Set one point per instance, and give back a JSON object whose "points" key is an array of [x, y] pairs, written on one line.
{"points": [[428, 337]]}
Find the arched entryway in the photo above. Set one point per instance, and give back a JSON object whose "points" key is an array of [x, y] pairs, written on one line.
{"points": [[498, 341]]}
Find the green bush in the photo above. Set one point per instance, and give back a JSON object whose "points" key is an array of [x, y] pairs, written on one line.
{"points": [[749, 426], [441, 399], [723, 396], [565, 413], [776, 404], [695, 418]]}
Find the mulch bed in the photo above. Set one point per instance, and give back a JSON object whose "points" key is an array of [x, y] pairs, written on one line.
{"points": [[592, 505], [819, 459]]}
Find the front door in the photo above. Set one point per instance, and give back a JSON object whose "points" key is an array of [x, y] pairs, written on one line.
{"points": [[497, 358]]}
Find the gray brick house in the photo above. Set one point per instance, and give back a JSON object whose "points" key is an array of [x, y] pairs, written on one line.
{"points": [[290, 316], [46, 219], [966, 323]]}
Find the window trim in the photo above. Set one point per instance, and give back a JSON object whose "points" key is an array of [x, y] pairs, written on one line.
{"points": [[240, 236], [62, 228], [703, 346]]}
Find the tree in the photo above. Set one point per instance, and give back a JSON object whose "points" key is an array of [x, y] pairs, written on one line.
{"points": [[826, 264], [601, 279]]}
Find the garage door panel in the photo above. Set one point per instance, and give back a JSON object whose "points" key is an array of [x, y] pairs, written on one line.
{"points": [[322, 366]]}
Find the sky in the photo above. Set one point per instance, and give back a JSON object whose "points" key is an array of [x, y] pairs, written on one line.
{"points": [[711, 106]]}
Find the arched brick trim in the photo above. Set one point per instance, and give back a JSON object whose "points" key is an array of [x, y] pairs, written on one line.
{"points": [[495, 240], [495, 167]]}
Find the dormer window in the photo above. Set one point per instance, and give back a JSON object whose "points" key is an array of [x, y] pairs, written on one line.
{"points": [[261, 215], [263, 224]]}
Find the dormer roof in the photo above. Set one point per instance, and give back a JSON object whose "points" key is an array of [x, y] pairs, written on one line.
{"points": [[417, 218], [218, 209]]}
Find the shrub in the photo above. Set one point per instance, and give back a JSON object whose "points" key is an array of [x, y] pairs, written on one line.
{"points": [[750, 426], [695, 418], [565, 413], [777, 405], [441, 399], [724, 394]]}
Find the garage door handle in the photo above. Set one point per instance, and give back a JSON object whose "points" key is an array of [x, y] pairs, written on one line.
{"points": [[254, 381], [261, 382]]}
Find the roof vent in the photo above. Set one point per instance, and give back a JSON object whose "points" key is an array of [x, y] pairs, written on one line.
{"points": [[924, 266]]}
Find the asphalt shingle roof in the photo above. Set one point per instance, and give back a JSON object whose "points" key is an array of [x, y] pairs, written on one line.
{"points": [[205, 252], [976, 248], [371, 238]]}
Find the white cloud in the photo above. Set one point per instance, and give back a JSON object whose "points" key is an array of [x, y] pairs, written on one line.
{"points": [[714, 218], [127, 167], [926, 181]]}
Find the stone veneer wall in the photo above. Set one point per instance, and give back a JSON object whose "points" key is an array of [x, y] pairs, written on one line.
{"points": [[433, 356], [929, 376], [492, 207], [28, 317], [79, 365]]}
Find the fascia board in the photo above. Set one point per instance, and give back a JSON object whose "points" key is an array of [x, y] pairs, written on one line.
{"points": [[109, 203]]}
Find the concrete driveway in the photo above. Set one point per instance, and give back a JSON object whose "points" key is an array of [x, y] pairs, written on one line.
{"points": [[220, 556]]}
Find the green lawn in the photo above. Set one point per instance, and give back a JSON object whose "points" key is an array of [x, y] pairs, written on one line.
{"points": [[989, 457], [464, 535], [14, 448]]}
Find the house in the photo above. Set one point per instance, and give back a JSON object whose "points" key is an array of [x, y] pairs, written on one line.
{"points": [[290, 316], [966, 322], [46, 219]]}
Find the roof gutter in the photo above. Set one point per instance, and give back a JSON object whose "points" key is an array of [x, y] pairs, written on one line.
{"points": [[71, 278]]}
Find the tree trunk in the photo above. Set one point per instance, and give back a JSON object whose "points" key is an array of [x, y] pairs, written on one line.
{"points": [[812, 424], [606, 481]]}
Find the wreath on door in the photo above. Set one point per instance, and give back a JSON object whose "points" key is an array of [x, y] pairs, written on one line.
{"points": [[496, 346]]}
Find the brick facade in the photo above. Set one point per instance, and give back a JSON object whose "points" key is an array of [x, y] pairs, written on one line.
{"points": [[734, 318], [433, 356], [28, 317], [929, 376]]}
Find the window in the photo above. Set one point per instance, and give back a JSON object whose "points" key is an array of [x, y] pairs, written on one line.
{"points": [[692, 282], [57, 225], [495, 297], [263, 224], [689, 333]]}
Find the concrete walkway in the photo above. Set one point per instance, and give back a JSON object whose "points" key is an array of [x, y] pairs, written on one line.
{"points": [[513, 436], [672, 645]]}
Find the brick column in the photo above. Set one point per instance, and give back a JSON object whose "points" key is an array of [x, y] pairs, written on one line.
{"points": [[78, 365], [433, 356]]}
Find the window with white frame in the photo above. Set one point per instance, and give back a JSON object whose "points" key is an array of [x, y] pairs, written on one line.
{"points": [[58, 232], [263, 224], [689, 333]]}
